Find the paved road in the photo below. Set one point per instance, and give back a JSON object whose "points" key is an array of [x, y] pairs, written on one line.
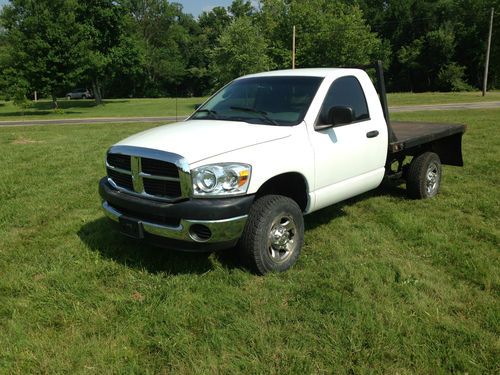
{"points": [[99, 120], [444, 107], [102, 120]]}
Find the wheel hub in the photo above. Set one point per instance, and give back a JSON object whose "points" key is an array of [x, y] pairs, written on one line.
{"points": [[280, 237], [432, 178], [281, 242]]}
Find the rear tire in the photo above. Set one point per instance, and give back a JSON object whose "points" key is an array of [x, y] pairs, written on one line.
{"points": [[424, 176], [273, 235]]}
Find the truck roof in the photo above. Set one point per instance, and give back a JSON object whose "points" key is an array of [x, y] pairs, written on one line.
{"points": [[312, 72]]}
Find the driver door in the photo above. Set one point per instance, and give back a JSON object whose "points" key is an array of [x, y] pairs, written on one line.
{"points": [[346, 155]]}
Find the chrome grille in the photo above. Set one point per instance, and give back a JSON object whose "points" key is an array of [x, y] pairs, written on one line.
{"points": [[149, 173], [119, 161], [162, 188], [121, 179], [159, 168]]}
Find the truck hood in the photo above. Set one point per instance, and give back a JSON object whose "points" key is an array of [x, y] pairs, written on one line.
{"points": [[196, 140]]}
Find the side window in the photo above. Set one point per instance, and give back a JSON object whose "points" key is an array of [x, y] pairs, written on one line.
{"points": [[345, 91]]}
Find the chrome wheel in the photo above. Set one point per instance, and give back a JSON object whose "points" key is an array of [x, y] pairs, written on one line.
{"points": [[273, 234], [282, 238], [424, 176], [432, 179]]}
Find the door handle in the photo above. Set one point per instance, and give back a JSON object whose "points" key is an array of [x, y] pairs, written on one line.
{"points": [[372, 134]]}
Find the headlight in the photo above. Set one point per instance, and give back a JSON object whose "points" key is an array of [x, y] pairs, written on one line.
{"points": [[221, 179]]}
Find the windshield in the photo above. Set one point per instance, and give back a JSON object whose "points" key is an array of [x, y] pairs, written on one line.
{"points": [[281, 101]]}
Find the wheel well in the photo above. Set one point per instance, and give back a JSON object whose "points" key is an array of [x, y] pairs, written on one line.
{"points": [[292, 185]]}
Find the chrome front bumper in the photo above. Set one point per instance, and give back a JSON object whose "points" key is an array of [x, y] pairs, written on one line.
{"points": [[222, 231]]}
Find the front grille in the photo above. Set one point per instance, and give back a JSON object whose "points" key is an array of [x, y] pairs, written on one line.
{"points": [[159, 168], [148, 217], [121, 179], [119, 161], [162, 188], [143, 175]]}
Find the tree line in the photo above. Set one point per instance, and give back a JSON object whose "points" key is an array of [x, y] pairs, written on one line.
{"points": [[152, 48]]}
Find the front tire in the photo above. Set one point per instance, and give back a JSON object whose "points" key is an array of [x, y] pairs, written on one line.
{"points": [[273, 235], [424, 176]]}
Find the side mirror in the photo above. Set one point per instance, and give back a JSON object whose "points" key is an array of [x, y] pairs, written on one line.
{"points": [[196, 106], [338, 115]]}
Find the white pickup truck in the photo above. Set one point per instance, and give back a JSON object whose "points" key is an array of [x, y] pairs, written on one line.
{"points": [[262, 152]]}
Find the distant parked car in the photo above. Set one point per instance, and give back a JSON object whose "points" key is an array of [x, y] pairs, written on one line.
{"points": [[79, 94]]}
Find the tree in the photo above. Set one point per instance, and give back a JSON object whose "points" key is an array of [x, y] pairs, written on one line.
{"points": [[273, 20], [241, 8], [329, 33], [435, 40], [241, 50], [471, 32], [102, 29], [56, 44], [163, 32], [335, 36], [126, 71], [5, 64], [46, 48], [214, 25]]}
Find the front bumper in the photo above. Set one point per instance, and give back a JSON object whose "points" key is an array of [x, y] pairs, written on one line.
{"points": [[191, 225]]}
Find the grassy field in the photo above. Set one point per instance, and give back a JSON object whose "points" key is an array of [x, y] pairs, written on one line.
{"points": [[185, 106], [111, 108], [384, 284], [408, 98]]}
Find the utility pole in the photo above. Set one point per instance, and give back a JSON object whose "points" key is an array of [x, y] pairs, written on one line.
{"points": [[176, 106], [485, 81], [293, 48]]}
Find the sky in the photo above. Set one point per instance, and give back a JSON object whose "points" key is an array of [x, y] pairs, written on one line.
{"points": [[195, 7]]}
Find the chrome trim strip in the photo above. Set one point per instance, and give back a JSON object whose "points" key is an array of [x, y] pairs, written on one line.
{"points": [[142, 195], [135, 165], [150, 153], [222, 230], [110, 212], [157, 177], [124, 171]]}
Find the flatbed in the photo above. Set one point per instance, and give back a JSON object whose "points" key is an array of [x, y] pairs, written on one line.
{"points": [[445, 138], [411, 134]]}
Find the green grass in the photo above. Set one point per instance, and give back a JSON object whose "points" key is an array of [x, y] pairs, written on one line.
{"points": [[408, 98], [111, 108], [185, 106], [384, 284]]}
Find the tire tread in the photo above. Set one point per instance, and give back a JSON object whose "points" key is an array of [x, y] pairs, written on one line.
{"points": [[417, 170], [249, 247]]}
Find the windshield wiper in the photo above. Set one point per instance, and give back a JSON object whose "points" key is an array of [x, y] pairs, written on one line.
{"points": [[212, 114], [252, 110]]}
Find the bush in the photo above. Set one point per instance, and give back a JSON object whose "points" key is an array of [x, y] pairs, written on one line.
{"points": [[21, 101], [451, 78]]}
